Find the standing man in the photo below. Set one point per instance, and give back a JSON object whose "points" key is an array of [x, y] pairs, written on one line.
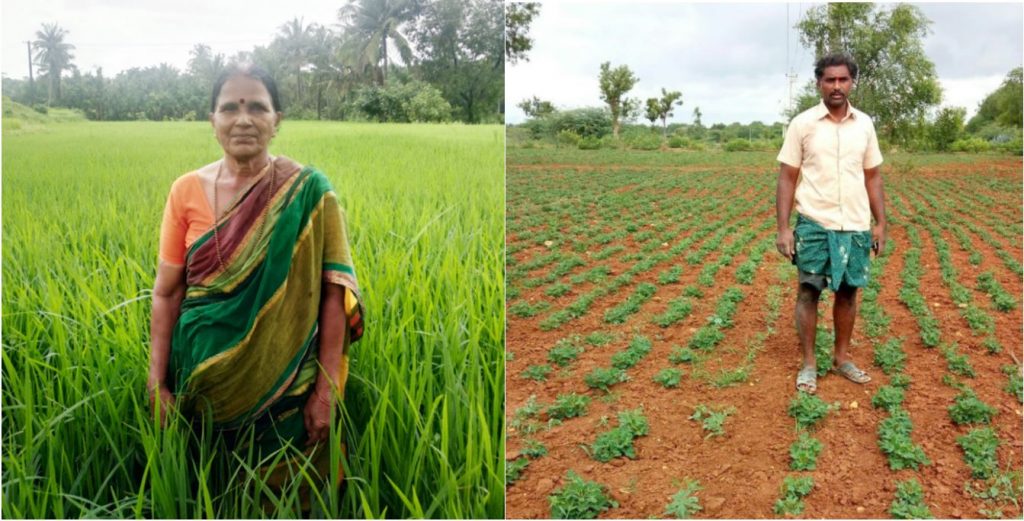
{"points": [[829, 165]]}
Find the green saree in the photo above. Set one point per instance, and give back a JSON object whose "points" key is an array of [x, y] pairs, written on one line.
{"points": [[244, 352]]}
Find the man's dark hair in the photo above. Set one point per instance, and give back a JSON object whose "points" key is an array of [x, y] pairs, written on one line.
{"points": [[253, 71], [832, 60]]}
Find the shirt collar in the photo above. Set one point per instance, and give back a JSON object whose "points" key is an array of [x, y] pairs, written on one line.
{"points": [[822, 111]]}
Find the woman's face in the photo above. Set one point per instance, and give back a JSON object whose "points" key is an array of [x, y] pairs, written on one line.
{"points": [[244, 119]]}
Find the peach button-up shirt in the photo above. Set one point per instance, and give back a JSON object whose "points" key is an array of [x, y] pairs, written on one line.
{"points": [[832, 158]]}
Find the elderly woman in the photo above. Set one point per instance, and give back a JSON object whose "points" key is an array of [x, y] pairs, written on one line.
{"points": [[255, 299]]}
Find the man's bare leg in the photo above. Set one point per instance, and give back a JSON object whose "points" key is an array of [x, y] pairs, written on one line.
{"points": [[807, 320], [844, 313]]}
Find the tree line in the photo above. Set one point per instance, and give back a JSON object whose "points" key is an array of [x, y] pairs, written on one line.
{"points": [[384, 60], [897, 85]]}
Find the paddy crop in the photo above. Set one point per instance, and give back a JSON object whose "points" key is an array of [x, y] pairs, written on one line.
{"points": [[424, 427]]}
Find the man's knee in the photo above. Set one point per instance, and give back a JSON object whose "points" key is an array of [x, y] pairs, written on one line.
{"points": [[808, 293]]}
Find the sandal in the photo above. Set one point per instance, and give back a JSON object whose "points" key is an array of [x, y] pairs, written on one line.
{"points": [[807, 380], [852, 373]]}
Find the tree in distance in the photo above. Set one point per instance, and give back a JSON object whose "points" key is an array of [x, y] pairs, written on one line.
{"points": [[897, 83], [1004, 105], [53, 57], [949, 125], [536, 107], [614, 84], [662, 107], [518, 16]]}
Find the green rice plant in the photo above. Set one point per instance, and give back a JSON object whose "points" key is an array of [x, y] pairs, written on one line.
{"points": [[604, 377], [895, 442], [808, 409], [565, 351], [909, 501], [536, 372], [579, 499], [423, 413], [684, 502], [533, 449], [514, 469], [568, 406], [681, 355], [1015, 385], [668, 377], [803, 453], [712, 421], [888, 397], [967, 408], [889, 356], [599, 338], [979, 446]]}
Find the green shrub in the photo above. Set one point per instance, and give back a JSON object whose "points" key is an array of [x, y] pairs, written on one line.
{"points": [[888, 397], [681, 355], [568, 406], [533, 449], [579, 499], [567, 138], [968, 408], [634, 421], [794, 489], [613, 444], [585, 122], [643, 141], [738, 145], [972, 145], [604, 377], [895, 442], [803, 453], [909, 501], [565, 351], [678, 142], [684, 503], [668, 377], [589, 143], [536, 372], [712, 421], [515, 468], [808, 409], [979, 446], [890, 356]]}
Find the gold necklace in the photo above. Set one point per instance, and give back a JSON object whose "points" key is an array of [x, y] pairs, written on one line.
{"points": [[266, 210]]}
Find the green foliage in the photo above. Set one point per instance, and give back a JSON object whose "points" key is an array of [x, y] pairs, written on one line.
{"points": [[803, 453], [979, 446], [614, 84], [396, 102], [738, 145], [823, 350], [536, 372], [557, 290], [634, 421], [584, 122], [514, 469], [895, 442], [897, 92], [948, 126], [533, 449], [1016, 384], [568, 406], [567, 138], [909, 501], [958, 364], [890, 356], [1003, 106], [712, 421], [888, 397], [681, 355], [968, 408], [684, 503], [808, 409], [668, 377], [524, 309], [670, 275], [706, 338], [599, 338], [693, 291], [631, 305], [565, 351], [642, 140], [579, 499], [613, 444], [604, 377], [677, 310], [636, 351], [971, 145], [589, 143], [794, 489]]}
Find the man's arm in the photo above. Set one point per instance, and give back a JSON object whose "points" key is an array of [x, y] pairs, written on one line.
{"points": [[876, 198], [784, 195]]}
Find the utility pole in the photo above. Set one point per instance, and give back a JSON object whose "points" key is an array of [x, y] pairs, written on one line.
{"points": [[31, 82]]}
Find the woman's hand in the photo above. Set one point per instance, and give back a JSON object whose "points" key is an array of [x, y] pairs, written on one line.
{"points": [[158, 391], [317, 415]]}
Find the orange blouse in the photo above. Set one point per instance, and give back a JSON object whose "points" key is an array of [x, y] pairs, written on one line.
{"points": [[187, 216]]}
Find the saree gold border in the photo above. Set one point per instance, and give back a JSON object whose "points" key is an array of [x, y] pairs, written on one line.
{"points": [[241, 276], [233, 351]]}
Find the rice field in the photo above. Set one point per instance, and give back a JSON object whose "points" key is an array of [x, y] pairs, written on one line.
{"points": [[424, 425]]}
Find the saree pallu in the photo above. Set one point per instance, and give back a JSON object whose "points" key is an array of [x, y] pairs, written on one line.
{"points": [[244, 352]]}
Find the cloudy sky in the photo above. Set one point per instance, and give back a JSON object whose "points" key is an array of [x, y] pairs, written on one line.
{"points": [[121, 34], [731, 59]]}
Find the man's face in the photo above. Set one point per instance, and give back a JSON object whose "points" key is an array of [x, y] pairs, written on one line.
{"points": [[835, 85]]}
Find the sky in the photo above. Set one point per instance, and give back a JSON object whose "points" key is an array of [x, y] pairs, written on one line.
{"points": [[120, 34], [731, 59]]}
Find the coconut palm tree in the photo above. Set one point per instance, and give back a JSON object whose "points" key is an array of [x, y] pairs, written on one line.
{"points": [[53, 56], [368, 26], [295, 40]]}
